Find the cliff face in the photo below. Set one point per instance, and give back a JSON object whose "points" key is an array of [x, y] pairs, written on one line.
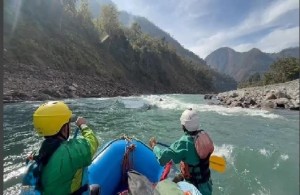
{"points": [[52, 51]]}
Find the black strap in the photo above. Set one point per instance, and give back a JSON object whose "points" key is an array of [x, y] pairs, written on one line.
{"points": [[204, 172], [203, 175], [49, 146]]}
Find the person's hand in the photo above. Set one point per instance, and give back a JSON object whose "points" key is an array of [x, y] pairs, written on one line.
{"points": [[152, 142], [80, 121]]}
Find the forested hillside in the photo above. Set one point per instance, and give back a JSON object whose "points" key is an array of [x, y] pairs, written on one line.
{"points": [[54, 49], [282, 70], [147, 27]]}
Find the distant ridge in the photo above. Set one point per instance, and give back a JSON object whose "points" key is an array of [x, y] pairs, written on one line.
{"points": [[241, 65]]}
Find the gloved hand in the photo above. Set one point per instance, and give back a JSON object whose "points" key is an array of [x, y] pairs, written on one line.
{"points": [[152, 142], [80, 121]]}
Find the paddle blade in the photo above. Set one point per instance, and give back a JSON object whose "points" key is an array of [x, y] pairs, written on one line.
{"points": [[217, 163]]}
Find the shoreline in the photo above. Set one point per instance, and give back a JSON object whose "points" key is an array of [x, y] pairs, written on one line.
{"points": [[274, 96]]}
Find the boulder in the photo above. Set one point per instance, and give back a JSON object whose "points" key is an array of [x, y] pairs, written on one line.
{"points": [[208, 96], [268, 104], [270, 96], [233, 95], [236, 104]]}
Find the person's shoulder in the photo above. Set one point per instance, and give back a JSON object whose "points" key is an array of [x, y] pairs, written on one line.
{"points": [[73, 143], [182, 140], [186, 137], [72, 146]]}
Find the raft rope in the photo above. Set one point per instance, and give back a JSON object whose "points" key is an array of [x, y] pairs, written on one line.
{"points": [[127, 162], [125, 137]]}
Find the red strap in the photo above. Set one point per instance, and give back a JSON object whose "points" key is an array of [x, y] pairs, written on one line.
{"points": [[166, 170]]}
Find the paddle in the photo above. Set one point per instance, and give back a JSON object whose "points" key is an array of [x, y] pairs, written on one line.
{"points": [[216, 163], [76, 132]]}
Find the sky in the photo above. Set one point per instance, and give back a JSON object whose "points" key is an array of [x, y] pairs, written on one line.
{"points": [[203, 26]]}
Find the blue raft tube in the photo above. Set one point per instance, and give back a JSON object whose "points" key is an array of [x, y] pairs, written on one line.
{"points": [[111, 163]]}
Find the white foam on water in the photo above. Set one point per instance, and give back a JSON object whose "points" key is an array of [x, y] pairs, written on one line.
{"points": [[264, 191], [173, 103], [221, 189], [245, 172], [166, 103], [265, 152], [225, 150], [237, 111], [276, 165], [132, 103], [16, 189], [100, 99], [14, 174], [36, 105], [257, 181], [263, 113], [284, 157]]}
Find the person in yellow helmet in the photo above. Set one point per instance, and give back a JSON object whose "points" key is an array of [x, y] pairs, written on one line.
{"points": [[62, 160]]}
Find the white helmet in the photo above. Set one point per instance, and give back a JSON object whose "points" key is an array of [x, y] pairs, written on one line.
{"points": [[190, 120]]}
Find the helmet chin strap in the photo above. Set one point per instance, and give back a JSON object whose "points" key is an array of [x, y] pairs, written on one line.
{"points": [[60, 134], [189, 132]]}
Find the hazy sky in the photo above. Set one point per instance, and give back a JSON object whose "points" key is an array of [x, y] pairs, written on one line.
{"points": [[203, 26]]}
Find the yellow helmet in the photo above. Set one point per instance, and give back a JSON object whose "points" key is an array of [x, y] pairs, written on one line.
{"points": [[50, 117]]}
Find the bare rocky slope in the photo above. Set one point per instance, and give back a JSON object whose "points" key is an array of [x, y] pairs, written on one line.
{"points": [[24, 82]]}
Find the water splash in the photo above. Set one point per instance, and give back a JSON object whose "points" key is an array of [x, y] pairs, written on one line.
{"points": [[15, 171], [171, 102], [284, 157], [133, 103], [265, 152], [225, 150]]}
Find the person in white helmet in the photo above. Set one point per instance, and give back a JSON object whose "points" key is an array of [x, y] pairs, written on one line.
{"points": [[193, 169]]}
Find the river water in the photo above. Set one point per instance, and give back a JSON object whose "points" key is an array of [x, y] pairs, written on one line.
{"points": [[261, 148]]}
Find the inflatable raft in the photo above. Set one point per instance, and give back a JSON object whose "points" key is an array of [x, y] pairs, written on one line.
{"points": [[111, 163]]}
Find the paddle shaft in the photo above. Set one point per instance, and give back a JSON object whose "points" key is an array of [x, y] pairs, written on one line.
{"points": [[162, 144], [76, 132]]}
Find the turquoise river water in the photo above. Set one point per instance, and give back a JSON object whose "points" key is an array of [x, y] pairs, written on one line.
{"points": [[261, 148]]}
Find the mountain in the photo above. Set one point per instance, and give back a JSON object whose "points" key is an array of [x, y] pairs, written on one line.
{"points": [[241, 65], [220, 81], [154, 31], [147, 27], [52, 50], [289, 52]]}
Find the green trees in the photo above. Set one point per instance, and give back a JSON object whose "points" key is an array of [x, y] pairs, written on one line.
{"points": [[85, 18], [70, 6], [84, 11], [108, 20], [135, 31], [283, 70]]}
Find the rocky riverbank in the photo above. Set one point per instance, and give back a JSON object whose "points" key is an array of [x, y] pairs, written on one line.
{"points": [[23, 83], [282, 95]]}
